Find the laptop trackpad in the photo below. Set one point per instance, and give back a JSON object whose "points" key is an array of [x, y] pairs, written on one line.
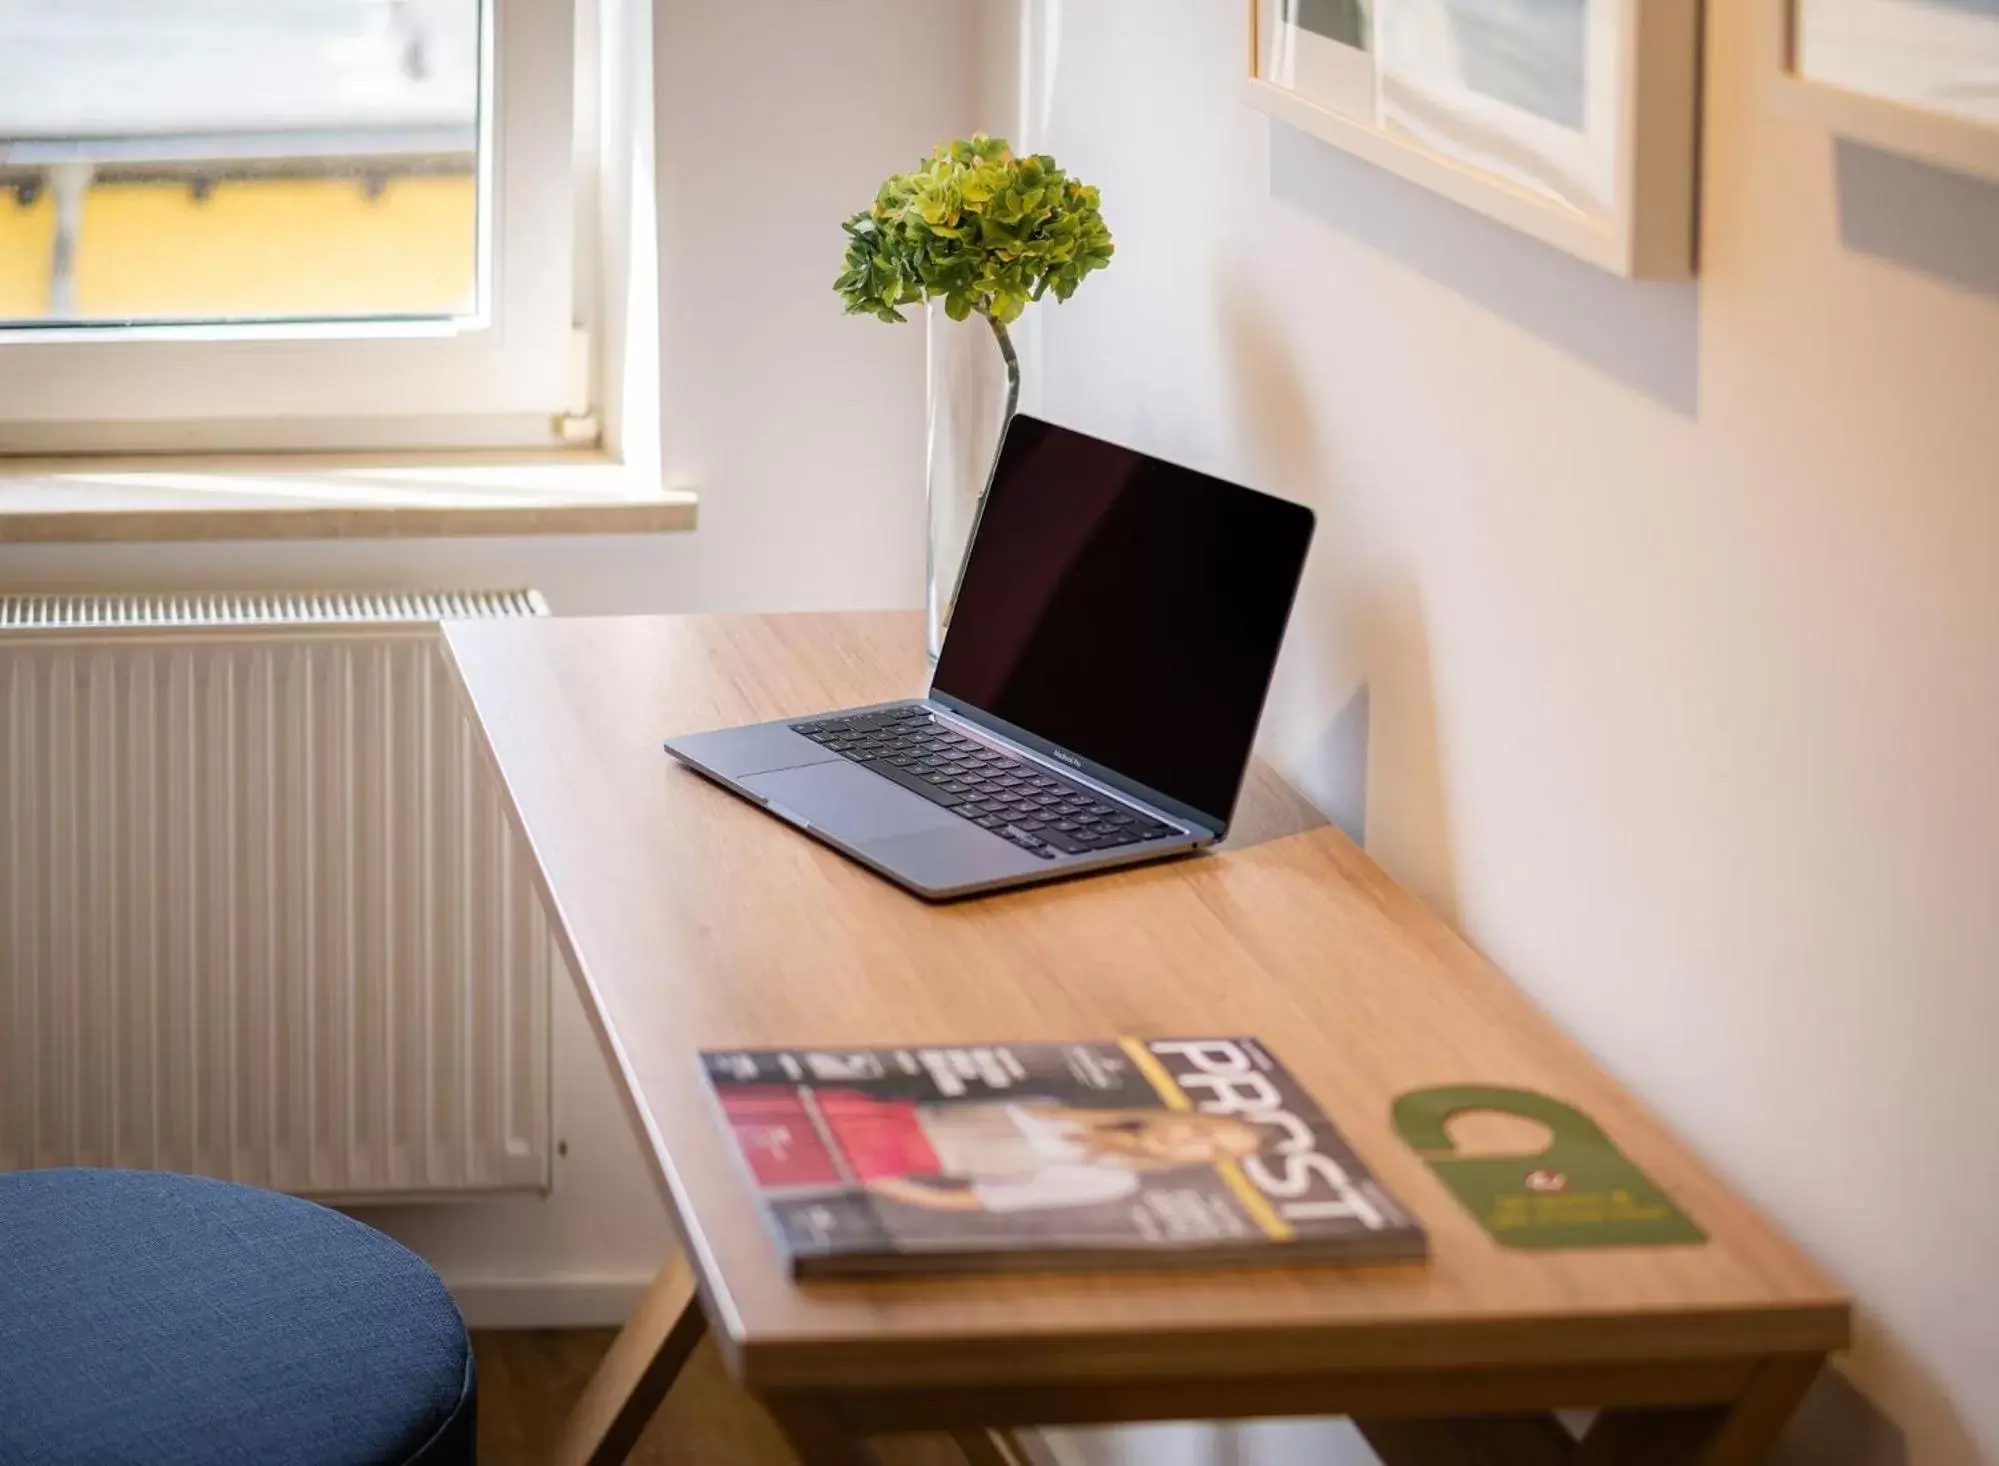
{"points": [[849, 803], [962, 856]]}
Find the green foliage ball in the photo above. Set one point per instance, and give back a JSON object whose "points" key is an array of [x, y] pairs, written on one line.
{"points": [[980, 228]]}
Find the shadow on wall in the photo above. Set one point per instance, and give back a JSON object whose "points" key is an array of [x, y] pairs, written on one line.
{"points": [[1645, 334], [1279, 435], [1279, 439], [1276, 416], [1923, 218], [1408, 803], [1340, 758], [1836, 1423], [1363, 641]]}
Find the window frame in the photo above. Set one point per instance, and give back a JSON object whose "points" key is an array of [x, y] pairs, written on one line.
{"points": [[505, 378]]}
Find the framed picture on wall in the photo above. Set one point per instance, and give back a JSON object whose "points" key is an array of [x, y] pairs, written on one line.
{"points": [[1320, 50], [1571, 120], [1919, 77]]}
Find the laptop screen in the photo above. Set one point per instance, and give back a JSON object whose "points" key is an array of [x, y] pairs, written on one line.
{"points": [[1126, 609]]}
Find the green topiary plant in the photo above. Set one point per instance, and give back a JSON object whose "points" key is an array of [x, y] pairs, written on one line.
{"points": [[979, 228]]}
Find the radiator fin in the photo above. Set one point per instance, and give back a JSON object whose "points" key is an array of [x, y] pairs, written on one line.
{"points": [[273, 608], [262, 916]]}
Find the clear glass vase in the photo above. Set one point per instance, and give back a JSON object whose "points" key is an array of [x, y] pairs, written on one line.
{"points": [[974, 384]]}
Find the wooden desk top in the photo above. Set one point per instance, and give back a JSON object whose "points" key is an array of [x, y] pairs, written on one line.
{"points": [[694, 921]]}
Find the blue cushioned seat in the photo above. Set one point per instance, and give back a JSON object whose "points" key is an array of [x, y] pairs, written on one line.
{"points": [[156, 1320]]}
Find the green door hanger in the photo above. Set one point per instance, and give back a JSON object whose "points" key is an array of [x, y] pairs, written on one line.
{"points": [[1579, 1192]]}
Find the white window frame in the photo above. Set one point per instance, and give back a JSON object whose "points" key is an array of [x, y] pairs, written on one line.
{"points": [[506, 378]]}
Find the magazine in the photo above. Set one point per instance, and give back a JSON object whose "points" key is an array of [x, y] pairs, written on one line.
{"points": [[1131, 1152]]}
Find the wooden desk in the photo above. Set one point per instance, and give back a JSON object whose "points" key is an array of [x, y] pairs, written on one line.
{"points": [[692, 921]]}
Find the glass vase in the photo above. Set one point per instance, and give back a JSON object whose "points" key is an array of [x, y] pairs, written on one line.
{"points": [[974, 385]]}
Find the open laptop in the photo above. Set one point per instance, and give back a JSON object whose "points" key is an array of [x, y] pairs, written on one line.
{"points": [[1097, 695]]}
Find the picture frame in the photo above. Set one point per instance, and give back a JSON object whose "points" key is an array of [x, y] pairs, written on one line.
{"points": [[1879, 100], [1574, 121]]}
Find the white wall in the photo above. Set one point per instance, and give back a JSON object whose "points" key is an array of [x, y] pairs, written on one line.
{"points": [[801, 429], [1675, 612]]}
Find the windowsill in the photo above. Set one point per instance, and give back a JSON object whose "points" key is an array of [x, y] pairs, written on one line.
{"points": [[331, 496]]}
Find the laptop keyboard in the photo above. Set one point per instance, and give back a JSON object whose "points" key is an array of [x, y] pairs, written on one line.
{"points": [[992, 789]]}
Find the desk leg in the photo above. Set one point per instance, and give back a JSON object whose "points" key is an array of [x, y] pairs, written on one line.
{"points": [[1471, 1440], [816, 1438], [1736, 1434], [635, 1375], [1740, 1434]]}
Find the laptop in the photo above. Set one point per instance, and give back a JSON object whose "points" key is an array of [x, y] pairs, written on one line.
{"points": [[1098, 692]]}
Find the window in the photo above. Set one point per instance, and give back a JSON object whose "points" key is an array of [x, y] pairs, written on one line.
{"points": [[285, 223], [233, 160]]}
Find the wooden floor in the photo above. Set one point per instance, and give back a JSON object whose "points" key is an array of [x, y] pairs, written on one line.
{"points": [[529, 1378]]}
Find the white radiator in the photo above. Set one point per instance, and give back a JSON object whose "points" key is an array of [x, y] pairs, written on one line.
{"points": [[261, 913]]}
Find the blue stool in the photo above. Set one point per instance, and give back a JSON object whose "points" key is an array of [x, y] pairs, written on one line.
{"points": [[156, 1320]]}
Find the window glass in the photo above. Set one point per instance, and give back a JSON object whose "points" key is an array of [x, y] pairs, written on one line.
{"points": [[174, 161]]}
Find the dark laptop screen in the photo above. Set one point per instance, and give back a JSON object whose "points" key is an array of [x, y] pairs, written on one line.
{"points": [[1126, 609]]}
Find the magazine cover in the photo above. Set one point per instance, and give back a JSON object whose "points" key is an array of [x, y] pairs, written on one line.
{"points": [[1026, 1155]]}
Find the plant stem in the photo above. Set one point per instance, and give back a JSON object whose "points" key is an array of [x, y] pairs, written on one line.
{"points": [[1012, 373]]}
